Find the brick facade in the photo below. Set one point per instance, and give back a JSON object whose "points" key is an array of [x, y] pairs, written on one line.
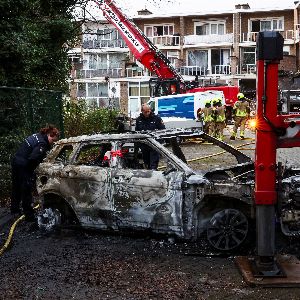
{"points": [[237, 27]]}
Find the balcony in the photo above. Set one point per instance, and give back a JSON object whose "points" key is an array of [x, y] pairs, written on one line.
{"points": [[247, 69], [208, 39], [96, 44], [135, 71], [84, 74], [192, 71], [221, 70], [165, 40], [288, 35]]}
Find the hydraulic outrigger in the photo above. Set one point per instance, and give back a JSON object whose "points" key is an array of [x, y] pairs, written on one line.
{"points": [[273, 131]]}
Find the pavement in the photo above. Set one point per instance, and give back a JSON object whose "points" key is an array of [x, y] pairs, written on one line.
{"points": [[5, 217]]}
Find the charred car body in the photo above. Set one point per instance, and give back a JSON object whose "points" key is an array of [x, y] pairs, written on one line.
{"points": [[99, 181]]}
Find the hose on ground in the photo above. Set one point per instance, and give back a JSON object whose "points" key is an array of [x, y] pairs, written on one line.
{"points": [[11, 232]]}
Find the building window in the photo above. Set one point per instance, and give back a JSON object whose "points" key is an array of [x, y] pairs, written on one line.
{"points": [[92, 90], [266, 24], [209, 28], [115, 59], [220, 57], [198, 58], [92, 62], [81, 90], [133, 89], [159, 30], [139, 93], [173, 57], [103, 61], [107, 34], [248, 57], [93, 93]]}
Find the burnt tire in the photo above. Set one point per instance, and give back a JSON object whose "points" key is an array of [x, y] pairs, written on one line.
{"points": [[49, 219], [227, 229]]}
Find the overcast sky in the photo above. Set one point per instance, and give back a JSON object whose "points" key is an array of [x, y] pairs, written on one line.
{"points": [[162, 7], [165, 6]]}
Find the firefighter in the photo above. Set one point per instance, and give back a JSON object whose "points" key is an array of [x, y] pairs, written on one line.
{"points": [[220, 119], [214, 117], [149, 121], [241, 112], [207, 117], [27, 158]]}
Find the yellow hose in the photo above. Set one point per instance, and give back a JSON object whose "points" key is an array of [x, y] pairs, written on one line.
{"points": [[11, 232]]}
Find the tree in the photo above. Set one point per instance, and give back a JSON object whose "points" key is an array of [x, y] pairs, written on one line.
{"points": [[34, 39]]}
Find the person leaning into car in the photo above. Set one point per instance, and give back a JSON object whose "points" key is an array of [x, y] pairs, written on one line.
{"points": [[149, 121], [29, 155]]}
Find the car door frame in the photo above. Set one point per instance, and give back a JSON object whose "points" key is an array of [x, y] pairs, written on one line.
{"points": [[145, 205]]}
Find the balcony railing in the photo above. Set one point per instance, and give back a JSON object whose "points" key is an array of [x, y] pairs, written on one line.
{"points": [[247, 69], [208, 39], [165, 40], [135, 71], [287, 35], [95, 44], [114, 73], [201, 71], [192, 70], [221, 70]]}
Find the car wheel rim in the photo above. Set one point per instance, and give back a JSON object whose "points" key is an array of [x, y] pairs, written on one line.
{"points": [[49, 218], [227, 229]]}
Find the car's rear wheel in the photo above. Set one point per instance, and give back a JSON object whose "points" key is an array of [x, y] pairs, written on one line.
{"points": [[227, 229]]}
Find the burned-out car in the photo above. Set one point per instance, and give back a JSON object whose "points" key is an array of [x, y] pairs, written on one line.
{"points": [[100, 181]]}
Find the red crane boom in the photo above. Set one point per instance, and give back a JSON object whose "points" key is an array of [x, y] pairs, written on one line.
{"points": [[142, 48], [168, 80]]}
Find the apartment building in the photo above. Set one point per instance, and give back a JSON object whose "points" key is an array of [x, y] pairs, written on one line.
{"points": [[216, 47]]}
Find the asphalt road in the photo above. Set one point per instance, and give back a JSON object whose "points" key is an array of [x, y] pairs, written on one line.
{"points": [[92, 265]]}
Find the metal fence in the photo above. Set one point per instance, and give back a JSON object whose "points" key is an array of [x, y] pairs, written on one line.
{"points": [[24, 111]]}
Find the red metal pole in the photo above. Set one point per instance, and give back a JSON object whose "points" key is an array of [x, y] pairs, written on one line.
{"points": [[266, 139], [269, 52]]}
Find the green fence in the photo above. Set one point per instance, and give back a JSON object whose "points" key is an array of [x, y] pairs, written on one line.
{"points": [[24, 111]]}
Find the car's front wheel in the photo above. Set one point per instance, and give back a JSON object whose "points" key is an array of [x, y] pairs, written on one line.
{"points": [[49, 219], [227, 229]]}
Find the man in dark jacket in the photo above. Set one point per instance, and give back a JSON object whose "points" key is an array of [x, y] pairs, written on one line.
{"points": [[149, 121], [30, 154]]}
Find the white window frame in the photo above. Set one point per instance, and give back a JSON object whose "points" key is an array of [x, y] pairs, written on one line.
{"points": [[101, 61], [210, 24], [153, 29], [106, 36], [137, 99], [271, 20], [172, 56], [252, 51]]}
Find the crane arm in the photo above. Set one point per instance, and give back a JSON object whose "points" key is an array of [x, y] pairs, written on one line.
{"points": [[142, 48]]}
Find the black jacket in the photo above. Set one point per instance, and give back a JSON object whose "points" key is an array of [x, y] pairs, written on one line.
{"points": [[151, 123], [32, 151]]}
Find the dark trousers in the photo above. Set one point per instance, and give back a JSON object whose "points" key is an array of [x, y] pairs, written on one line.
{"points": [[150, 157], [21, 190]]}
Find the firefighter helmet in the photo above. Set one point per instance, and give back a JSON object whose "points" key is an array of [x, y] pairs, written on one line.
{"points": [[207, 102], [215, 101], [240, 96]]}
